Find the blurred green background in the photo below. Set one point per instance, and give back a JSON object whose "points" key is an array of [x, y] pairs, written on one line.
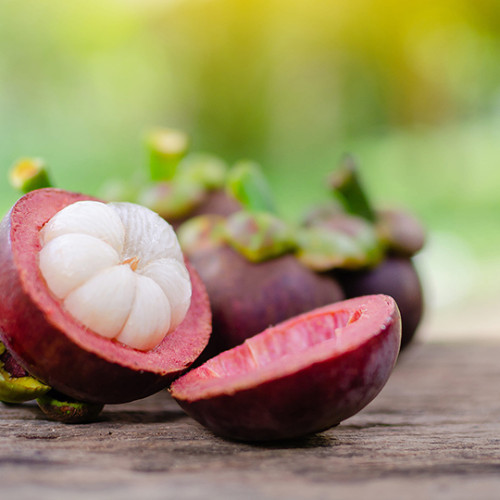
{"points": [[410, 88]]}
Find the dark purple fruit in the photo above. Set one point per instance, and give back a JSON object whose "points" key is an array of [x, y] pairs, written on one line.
{"points": [[397, 277], [247, 297], [301, 376]]}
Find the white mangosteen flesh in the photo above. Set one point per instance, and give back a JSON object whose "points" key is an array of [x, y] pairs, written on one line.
{"points": [[118, 269]]}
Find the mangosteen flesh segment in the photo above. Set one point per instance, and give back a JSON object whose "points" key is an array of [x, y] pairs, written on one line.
{"points": [[57, 348], [98, 260], [302, 376]]}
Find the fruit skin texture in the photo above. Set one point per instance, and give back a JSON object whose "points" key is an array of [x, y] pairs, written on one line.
{"points": [[47, 342], [247, 297], [306, 391], [395, 276]]}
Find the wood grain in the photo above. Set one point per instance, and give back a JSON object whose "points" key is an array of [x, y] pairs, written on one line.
{"points": [[433, 432]]}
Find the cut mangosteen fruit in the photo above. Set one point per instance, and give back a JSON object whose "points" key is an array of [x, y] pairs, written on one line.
{"points": [[301, 376], [96, 299]]}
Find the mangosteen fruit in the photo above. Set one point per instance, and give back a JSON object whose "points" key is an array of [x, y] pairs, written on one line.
{"points": [[395, 276], [298, 377], [246, 297], [252, 278], [400, 235], [184, 184], [97, 300]]}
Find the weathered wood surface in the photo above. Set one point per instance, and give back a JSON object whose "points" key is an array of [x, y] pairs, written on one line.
{"points": [[433, 432]]}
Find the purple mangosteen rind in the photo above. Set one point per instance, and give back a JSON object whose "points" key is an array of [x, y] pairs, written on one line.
{"points": [[395, 276], [248, 394], [54, 348], [246, 297]]}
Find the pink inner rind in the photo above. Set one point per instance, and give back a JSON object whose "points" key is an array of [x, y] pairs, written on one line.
{"points": [[46, 326], [288, 347], [275, 343]]}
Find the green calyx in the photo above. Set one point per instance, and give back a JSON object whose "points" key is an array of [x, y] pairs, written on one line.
{"points": [[200, 234], [248, 185], [29, 174], [18, 389], [191, 176], [344, 241], [58, 407], [202, 169], [399, 232], [172, 199], [346, 186], [258, 235]]}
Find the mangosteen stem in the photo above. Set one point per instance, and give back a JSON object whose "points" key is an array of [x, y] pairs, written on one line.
{"points": [[346, 184], [29, 174], [248, 185], [166, 148]]}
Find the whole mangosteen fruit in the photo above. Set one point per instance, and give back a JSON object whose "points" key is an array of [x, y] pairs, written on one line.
{"points": [[400, 236], [252, 277], [395, 276], [246, 297]]}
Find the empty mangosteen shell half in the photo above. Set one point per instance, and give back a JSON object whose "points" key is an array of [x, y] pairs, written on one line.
{"points": [[53, 347], [302, 376]]}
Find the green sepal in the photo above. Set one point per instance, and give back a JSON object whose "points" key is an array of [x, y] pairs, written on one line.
{"points": [[201, 233], [322, 212], [120, 190], [61, 408], [258, 235], [348, 243], [18, 389], [28, 174], [248, 185], [171, 199], [346, 187], [203, 169]]}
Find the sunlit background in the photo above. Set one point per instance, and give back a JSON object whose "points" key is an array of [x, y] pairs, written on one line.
{"points": [[412, 89]]}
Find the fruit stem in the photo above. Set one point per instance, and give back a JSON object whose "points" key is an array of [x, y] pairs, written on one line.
{"points": [[166, 148], [28, 174], [345, 183], [247, 184]]}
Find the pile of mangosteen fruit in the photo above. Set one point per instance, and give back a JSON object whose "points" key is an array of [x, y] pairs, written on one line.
{"points": [[260, 328]]}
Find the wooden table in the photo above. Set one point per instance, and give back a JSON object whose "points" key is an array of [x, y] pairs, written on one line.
{"points": [[433, 432]]}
